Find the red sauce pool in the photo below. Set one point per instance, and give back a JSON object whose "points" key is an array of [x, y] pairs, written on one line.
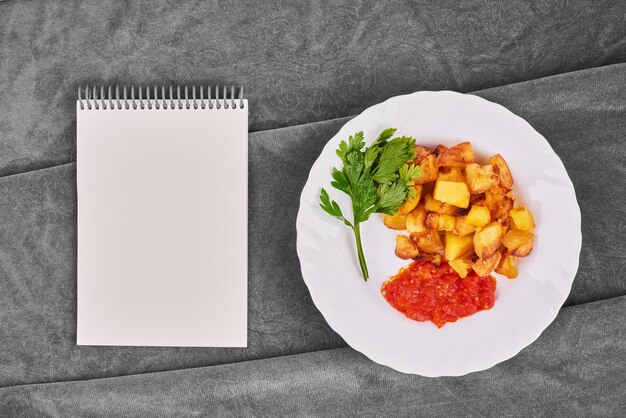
{"points": [[425, 292]]}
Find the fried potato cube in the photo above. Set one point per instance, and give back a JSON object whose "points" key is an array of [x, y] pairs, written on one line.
{"points": [[429, 170], [461, 227], [523, 250], [478, 216], [454, 193], [432, 258], [397, 221], [522, 219], [457, 156], [502, 210], [405, 249], [434, 205], [416, 220], [495, 194], [505, 229], [439, 149], [485, 266], [410, 204], [451, 174], [420, 153], [519, 243], [506, 267], [479, 199], [488, 239], [439, 222], [461, 266], [428, 243], [457, 246], [511, 196], [480, 179], [501, 168]]}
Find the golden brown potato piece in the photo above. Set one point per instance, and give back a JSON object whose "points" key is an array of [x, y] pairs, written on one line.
{"points": [[439, 222], [461, 227], [485, 266], [522, 219], [416, 220], [462, 266], [428, 189], [480, 179], [524, 249], [519, 243], [454, 193], [495, 194], [420, 153], [457, 156], [397, 221], [436, 258], [502, 210], [505, 229], [479, 199], [457, 246], [451, 174], [511, 196], [428, 243], [410, 204], [439, 149], [494, 198], [429, 170], [506, 267], [478, 216], [502, 170], [433, 205], [488, 239], [405, 248]]}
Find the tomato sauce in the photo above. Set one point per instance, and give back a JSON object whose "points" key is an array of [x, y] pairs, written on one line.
{"points": [[425, 292]]}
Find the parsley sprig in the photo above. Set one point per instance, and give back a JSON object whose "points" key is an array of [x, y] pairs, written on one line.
{"points": [[378, 179]]}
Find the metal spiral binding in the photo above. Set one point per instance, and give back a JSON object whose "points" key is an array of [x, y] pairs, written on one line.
{"points": [[140, 97]]}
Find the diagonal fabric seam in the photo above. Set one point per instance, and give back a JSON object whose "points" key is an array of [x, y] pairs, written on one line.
{"points": [[34, 170], [53, 382], [352, 116]]}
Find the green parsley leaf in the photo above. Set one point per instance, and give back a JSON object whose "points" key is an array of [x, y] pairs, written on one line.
{"points": [[384, 136], [331, 207], [377, 179], [355, 143], [395, 153]]}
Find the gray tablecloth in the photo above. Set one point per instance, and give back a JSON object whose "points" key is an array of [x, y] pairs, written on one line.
{"points": [[303, 63], [575, 369]]}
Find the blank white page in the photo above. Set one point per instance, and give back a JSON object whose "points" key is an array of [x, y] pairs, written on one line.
{"points": [[162, 226]]}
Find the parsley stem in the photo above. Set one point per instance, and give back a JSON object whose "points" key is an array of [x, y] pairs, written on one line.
{"points": [[359, 250]]}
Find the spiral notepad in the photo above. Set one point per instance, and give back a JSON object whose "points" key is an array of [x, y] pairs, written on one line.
{"points": [[162, 216]]}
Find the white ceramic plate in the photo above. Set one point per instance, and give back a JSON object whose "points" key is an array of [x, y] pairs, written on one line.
{"points": [[524, 307]]}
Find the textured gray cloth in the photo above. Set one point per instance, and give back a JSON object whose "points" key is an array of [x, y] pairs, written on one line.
{"points": [[37, 242], [299, 61], [302, 63], [575, 369]]}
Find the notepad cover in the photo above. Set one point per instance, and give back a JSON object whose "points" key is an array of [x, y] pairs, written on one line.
{"points": [[162, 226]]}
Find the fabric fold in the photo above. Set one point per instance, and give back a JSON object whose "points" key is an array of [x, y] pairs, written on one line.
{"points": [[298, 61], [574, 369], [581, 114]]}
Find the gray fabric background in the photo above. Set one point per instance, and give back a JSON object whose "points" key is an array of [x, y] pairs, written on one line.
{"points": [[300, 61], [573, 370], [301, 65]]}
